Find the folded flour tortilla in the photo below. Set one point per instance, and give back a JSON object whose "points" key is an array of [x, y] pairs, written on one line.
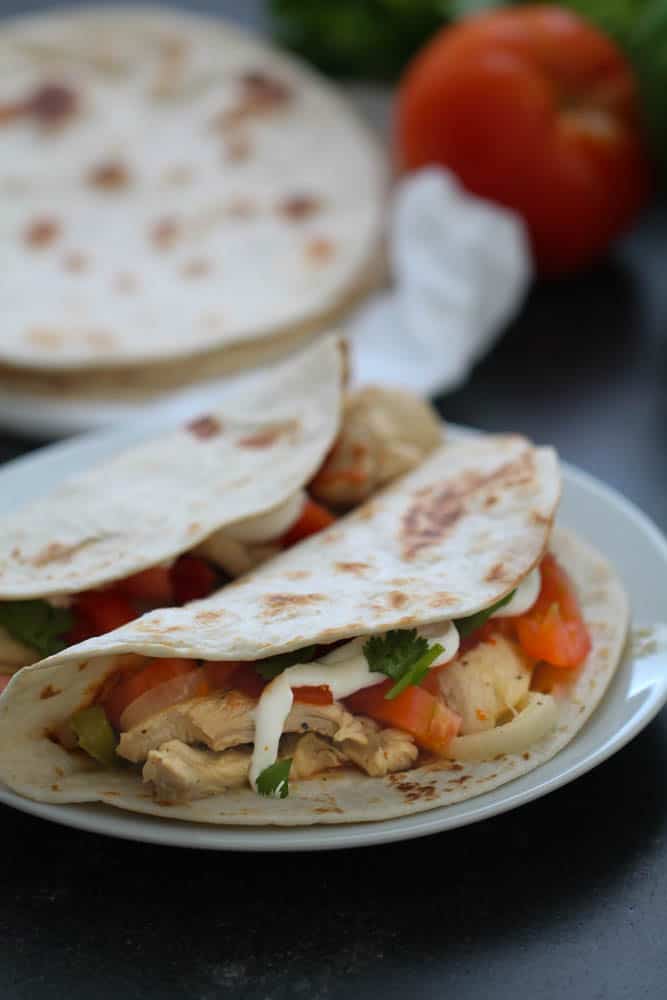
{"points": [[451, 539], [187, 200]]}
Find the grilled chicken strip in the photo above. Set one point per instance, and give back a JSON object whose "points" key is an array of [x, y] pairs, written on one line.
{"points": [[485, 683], [179, 773], [226, 720], [385, 750]]}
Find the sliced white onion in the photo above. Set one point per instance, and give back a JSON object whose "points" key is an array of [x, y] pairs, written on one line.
{"points": [[269, 526], [533, 722], [162, 696]]}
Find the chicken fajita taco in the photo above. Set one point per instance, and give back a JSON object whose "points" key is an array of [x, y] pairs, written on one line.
{"points": [[438, 641], [173, 519]]}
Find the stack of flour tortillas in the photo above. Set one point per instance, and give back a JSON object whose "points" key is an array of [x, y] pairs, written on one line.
{"points": [[178, 201]]}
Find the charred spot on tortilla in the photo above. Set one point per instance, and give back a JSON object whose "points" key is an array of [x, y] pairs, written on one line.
{"points": [[441, 600], [208, 617], [49, 692], [397, 599], [435, 512], [262, 92], [165, 232], [110, 176], [205, 427], [268, 437], [42, 233], [496, 572], [299, 206], [358, 568], [319, 250], [59, 551], [276, 604], [51, 104]]}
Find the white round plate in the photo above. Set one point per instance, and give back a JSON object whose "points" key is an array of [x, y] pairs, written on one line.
{"points": [[637, 693]]}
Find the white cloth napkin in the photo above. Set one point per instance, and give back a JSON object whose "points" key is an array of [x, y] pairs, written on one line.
{"points": [[461, 268]]}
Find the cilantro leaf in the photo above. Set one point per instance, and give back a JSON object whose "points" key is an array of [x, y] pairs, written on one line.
{"points": [[467, 626], [274, 665], [37, 624], [402, 655], [274, 780]]}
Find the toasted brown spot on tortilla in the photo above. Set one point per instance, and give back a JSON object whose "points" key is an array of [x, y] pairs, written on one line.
{"points": [[57, 551], [75, 262], [55, 788], [194, 528], [59, 771], [197, 267], [49, 692], [327, 809], [441, 600], [110, 176], [367, 510], [262, 93], [276, 603], [397, 599], [165, 232], [82, 666], [268, 437], [297, 574], [205, 427], [358, 568], [41, 233], [320, 249], [491, 500], [126, 282], [526, 755], [299, 206], [540, 518], [495, 573], [50, 339], [51, 104], [206, 617], [434, 513]]}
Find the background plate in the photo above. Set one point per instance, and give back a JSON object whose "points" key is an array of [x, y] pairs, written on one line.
{"points": [[639, 690]]}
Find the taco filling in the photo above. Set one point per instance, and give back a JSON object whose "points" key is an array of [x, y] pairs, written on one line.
{"points": [[467, 689], [383, 434]]}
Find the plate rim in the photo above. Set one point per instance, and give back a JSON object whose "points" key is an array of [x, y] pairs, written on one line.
{"points": [[103, 819]]}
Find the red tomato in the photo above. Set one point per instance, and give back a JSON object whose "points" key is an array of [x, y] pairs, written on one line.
{"points": [[248, 681], [99, 611], [192, 578], [554, 629], [4, 681], [150, 586], [219, 674], [415, 711], [536, 109], [131, 685], [314, 517], [313, 695]]}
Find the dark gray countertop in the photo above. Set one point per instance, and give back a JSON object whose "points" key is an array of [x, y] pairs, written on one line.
{"points": [[566, 897]]}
